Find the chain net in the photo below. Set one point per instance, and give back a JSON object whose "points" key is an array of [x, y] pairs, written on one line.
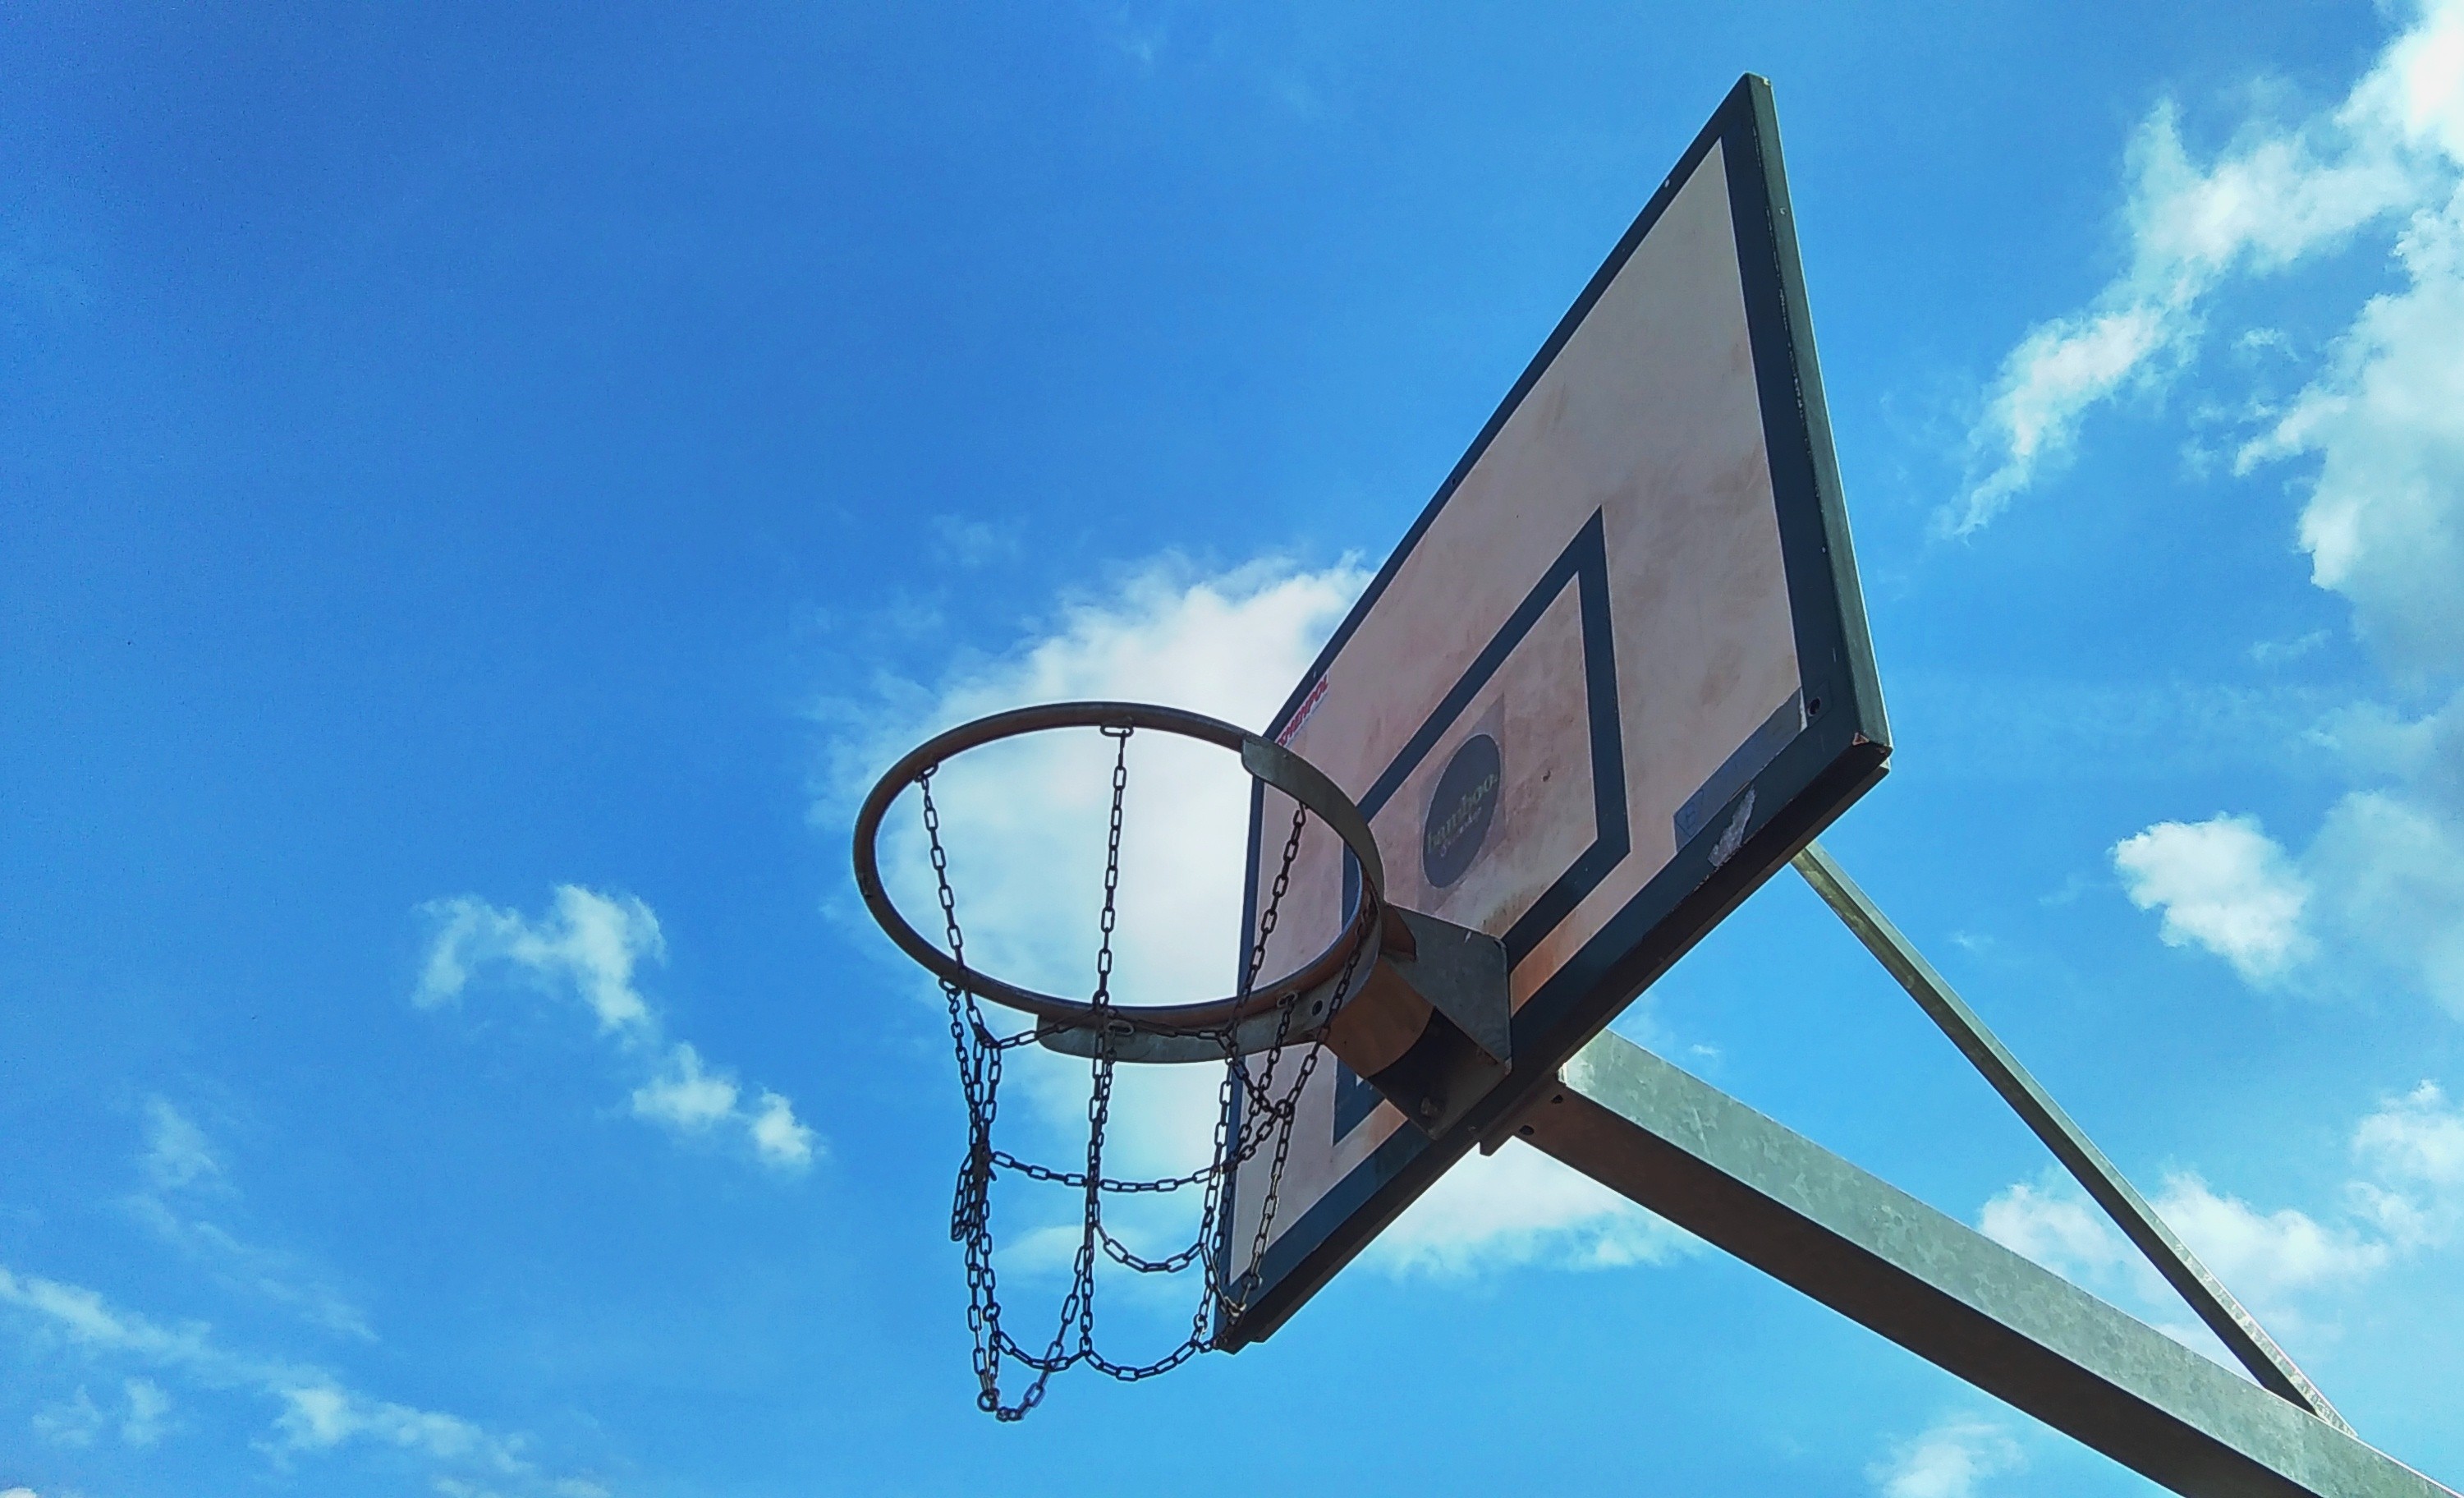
{"points": [[1253, 1117]]}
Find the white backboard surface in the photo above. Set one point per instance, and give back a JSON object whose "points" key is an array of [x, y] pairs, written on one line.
{"points": [[1615, 675]]}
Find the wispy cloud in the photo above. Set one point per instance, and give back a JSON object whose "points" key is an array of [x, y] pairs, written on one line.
{"points": [[588, 942], [147, 1405], [2266, 1257], [974, 543], [73, 1422], [2412, 1153], [184, 1180], [176, 1154], [78, 1421], [2387, 154], [312, 1410], [2376, 433], [2393, 869], [2406, 1195], [588, 946]]}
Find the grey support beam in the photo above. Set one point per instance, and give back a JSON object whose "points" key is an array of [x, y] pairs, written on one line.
{"points": [[1947, 1293], [2234, 1326]]}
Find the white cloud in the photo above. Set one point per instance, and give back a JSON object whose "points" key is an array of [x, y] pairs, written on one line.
{"points": [[1025, 821], [590, 945], [148, 1404], [2408, 1195], [2381, 885], [1024, 827], [2222, 884], [2389, 151], [2053, 1222], [1946, 1462], [777, 1133], [1520, 1207], [684, 1094], [2264, 1256], [84, 1317], [592, 942], [2385, 520], [2374, 441], [318, 1416], [1230, 643], [2412, 1151], [2416, 1138], [2057, 371]]}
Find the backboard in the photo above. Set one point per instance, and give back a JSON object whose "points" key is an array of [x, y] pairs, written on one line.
{"points": [[1615, 675]]}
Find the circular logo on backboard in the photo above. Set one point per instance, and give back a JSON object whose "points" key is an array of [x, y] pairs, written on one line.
{"points": [[1459, 812]]}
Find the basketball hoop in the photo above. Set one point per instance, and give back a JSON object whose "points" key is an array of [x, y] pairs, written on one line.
{"points": [[1415, 1007], [1251, 1019]]}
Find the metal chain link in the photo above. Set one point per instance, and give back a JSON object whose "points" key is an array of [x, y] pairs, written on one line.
{"points": [[1251, 1114]]}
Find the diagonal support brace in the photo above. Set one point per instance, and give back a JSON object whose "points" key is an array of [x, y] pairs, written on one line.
{"points": [[2233, 1325]]}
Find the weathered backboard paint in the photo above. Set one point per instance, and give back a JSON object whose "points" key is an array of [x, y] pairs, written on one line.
{"points": [[1614, 676]]}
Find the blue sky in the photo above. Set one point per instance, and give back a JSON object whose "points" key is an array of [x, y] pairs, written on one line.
{"points": [[479, 487]]}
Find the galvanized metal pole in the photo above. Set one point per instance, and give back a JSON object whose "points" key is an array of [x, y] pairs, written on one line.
{"points": [[1941, 1289], [2233, 1325]]}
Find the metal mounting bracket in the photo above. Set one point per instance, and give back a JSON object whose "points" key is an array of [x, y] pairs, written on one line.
{"points": [[1432, 1026]]}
